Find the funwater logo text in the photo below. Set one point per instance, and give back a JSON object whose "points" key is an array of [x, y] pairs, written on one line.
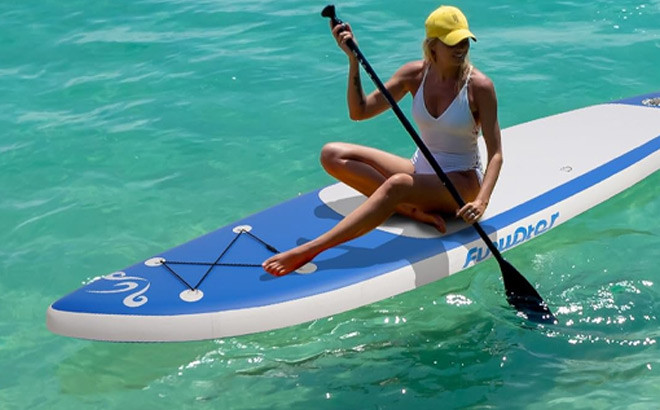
{"points": [[521, 234]]}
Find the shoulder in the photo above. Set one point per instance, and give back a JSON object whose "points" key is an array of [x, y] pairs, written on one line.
{"points": [[485, 101], [410, 70], [481, 84], [410, 74], [413, 67]]}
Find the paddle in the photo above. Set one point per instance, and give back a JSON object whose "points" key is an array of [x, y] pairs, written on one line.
{"points": [[519, 292]]}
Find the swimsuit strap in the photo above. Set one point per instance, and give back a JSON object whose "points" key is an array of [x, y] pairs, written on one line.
{"points": [[467, 80], [426, 71]]}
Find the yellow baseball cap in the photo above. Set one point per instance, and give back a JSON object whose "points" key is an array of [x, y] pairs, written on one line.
{"points": [[448, 24]]}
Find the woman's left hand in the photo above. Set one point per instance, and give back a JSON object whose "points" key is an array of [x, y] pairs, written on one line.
{"points": [[472, 211]]}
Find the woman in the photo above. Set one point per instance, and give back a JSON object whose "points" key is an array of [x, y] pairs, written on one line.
{"points": [[451, 102]]}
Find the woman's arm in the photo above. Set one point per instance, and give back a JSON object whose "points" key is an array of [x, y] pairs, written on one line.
{"points": [[486, 101], [486, 104], [361, 106]]}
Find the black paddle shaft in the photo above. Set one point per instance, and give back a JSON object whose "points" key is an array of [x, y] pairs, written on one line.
{"points": [[520, 293]]}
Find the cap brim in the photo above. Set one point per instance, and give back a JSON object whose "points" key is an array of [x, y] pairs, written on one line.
{"points": [[457, 36]]}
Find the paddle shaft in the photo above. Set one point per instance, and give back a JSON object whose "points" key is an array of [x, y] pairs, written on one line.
{"points": [[418, 141]]}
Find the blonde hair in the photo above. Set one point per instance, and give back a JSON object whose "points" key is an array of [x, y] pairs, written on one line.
{"points": [[429, 57]]}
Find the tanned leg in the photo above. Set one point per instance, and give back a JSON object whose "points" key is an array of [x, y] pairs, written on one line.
{"points": [[365, 169], [371, 213], [425, 191]]}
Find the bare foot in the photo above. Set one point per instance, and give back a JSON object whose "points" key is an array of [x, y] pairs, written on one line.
{"points": [[415, 213], [286, 262]]}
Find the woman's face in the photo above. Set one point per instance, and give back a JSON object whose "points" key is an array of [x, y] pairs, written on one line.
{"points": [[452, 55]]}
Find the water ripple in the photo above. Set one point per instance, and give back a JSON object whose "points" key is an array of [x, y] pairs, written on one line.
{"points": [[128, 34], [42, 216], [151, 183], [14, 147]]}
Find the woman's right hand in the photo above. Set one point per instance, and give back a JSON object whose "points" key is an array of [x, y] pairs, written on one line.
{"points": [[342, 33]]}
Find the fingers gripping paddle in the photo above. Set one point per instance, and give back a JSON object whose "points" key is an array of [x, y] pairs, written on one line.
{"points": [[519, 292]]}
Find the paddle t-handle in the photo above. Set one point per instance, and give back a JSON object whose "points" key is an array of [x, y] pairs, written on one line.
{"points": [[330, 12], [519, 292]]}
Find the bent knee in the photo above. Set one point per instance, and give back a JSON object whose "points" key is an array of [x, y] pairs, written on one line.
{"points": [[334, 156], [399, 184], [331, 153]]}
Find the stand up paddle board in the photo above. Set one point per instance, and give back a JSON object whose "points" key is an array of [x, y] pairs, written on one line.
{"points": [[212, 287]]}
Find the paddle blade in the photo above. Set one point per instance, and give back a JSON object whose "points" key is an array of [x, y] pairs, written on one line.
{"points": [[523, 297]]}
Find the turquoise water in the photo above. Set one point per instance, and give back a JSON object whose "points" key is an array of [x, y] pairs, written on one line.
{"points": [[131, 127]]}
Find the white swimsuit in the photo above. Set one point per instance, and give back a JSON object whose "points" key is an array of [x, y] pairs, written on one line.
{"points": [[451, 138]]}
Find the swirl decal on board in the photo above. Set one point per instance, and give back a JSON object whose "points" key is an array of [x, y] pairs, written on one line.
{"points": [[127, 284]]}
